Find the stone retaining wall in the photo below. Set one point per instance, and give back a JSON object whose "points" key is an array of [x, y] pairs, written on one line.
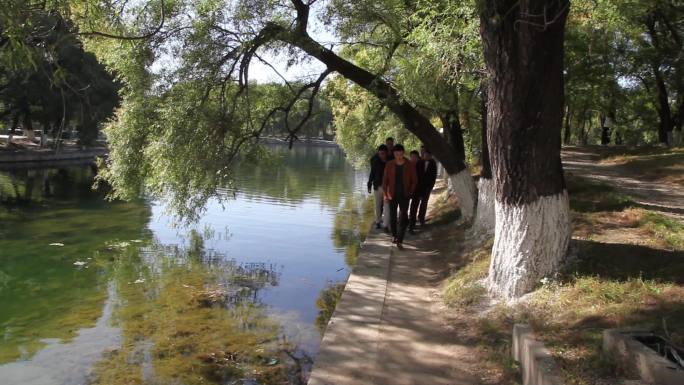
{"points": [[536, 363]]}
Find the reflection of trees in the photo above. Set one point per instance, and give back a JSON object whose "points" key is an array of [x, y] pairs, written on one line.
{"points": [[233, 282], [45, 295], [297, 174], [51, 185], [326, 303], [190, 315], [351, 225]]}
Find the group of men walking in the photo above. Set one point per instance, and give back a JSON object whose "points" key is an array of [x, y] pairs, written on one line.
{"points": [[401, 184]]}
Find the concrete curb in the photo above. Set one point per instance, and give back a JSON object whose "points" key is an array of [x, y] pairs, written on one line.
{"points": [[652, 368], [348, 353], [537, 365]]}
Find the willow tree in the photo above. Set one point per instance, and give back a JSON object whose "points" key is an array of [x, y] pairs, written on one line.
{"points": [[181, 129], [523, 50], [213, 52]]}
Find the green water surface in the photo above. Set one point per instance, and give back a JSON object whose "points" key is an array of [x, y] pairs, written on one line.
{"points": [[108, 292]]}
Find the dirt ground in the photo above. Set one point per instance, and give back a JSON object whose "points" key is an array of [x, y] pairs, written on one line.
{"points": [[654, 180]]}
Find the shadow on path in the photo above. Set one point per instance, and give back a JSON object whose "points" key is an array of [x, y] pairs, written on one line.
{"points": [[662, 197], [388, 327]]}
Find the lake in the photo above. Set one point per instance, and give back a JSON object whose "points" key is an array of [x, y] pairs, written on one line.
{"points": [[93, 291]]}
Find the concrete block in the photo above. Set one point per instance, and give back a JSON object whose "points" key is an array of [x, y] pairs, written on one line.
{"points": [[536, 362], [652, 368]]}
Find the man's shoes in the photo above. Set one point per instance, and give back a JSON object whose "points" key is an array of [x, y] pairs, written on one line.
{"points": [[377, 226], [394, 239], [422, 223], [400, 246]]}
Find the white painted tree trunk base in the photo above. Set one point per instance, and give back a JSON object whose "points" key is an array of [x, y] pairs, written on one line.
{"points": [[485, 217], [530, 243], [462, 186]]}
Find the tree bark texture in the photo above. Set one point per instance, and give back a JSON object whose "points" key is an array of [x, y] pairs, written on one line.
{"points": [[485, 219], [523, 51]]}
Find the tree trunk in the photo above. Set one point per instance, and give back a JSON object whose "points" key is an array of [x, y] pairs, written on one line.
{"points": [[584, 135], [664, 114], [454, 133], [566, 136], [15, 123], [523, 51], [461, 185], [28, 127], [484, 221], [663, 106]]}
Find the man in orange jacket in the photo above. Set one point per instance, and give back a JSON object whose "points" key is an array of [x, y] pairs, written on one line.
{"points": [[399, 184]]}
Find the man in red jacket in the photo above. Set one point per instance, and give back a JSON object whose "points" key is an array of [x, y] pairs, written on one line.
{"points": [[399, 184]]}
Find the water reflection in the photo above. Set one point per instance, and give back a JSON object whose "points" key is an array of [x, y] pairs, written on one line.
{"points": [[192, 318], [232, 297], [64, 362]]}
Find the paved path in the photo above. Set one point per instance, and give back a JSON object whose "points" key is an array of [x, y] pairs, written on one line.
{"points": [[388, 327], [665, 198]]}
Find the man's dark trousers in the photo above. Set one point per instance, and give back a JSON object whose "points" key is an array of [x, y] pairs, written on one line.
{"points": [[403, 205], [419, 205]]}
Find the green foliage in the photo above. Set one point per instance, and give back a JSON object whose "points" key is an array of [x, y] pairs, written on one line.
{"points": [[610, 61], [362, 123], [58, 82], [412, 46]]}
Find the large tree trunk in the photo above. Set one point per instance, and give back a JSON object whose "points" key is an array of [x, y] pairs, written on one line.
{"points": [[484, 221], [523, 50]]}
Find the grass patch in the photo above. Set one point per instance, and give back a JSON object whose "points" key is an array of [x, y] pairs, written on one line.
{"points": [[443, 207], [464, 287], [590, 196], [629, 272], [664, 228], [661, 165]]}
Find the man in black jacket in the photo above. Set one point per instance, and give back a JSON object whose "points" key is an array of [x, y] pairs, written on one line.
{"points": [[426, 169], [377, 170]]}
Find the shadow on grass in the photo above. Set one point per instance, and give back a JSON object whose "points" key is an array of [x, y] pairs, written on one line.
{"points": [[589, 196], [622, 262]]}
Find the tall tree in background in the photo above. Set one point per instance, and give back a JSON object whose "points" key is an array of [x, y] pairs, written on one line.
{"points": [[523, 50]]}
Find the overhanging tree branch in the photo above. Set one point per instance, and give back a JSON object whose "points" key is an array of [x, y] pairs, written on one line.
{"points": [[140, 37], [413, 120]]}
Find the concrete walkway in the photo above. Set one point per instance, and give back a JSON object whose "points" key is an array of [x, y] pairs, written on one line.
{"points": [[388, 327]]}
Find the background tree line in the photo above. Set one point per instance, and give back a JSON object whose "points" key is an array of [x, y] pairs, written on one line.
{"points": [[47, 79]]}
